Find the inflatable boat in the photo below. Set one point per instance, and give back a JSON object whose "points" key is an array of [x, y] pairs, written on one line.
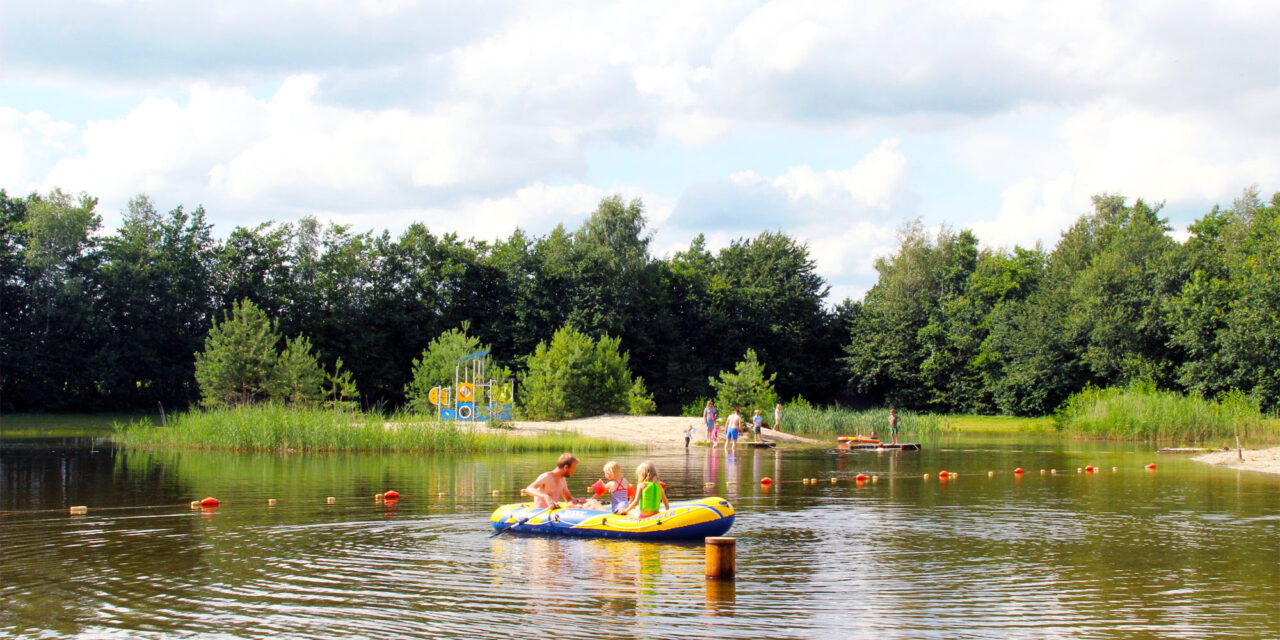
{"points": [[688, 519]]}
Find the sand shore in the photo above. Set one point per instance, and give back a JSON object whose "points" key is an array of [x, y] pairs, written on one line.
{"points": [[651, 431], [1264, 460]]}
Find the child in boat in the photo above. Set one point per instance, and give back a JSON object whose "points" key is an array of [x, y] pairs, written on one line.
{"points": [[615, 486], [649, 492]]}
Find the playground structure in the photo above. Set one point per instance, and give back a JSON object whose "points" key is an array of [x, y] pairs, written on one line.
{"points": [[473, 398]]}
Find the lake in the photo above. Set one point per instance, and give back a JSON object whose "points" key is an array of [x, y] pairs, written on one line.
{"points": [[1186, 551]]}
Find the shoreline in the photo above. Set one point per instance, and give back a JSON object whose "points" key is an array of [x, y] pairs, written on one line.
{"points": [[651, 431], [1261, 460]]}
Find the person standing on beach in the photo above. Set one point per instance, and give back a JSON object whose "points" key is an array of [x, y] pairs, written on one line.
{"points": [[893, 425], [709, 419], [777, 418]]}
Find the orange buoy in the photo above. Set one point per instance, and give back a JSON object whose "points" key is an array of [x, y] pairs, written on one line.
{"points": [[391, 495], [861, 477], [943, 473], [1018, 471], [766, 481], [1088, 469], [209, 502], [1151, 467]]}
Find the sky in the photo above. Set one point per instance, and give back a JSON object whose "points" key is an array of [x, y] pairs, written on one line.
{"points": [[835, 122]]}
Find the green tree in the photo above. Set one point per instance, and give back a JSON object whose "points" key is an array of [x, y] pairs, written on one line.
{"points": [[746, 386], [577, 376], [239, 356], [296, 376]]}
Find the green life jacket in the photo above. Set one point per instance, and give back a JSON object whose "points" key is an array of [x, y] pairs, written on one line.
{"points": [[650, 497]]}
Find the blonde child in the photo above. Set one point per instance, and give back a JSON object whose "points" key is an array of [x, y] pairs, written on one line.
{"points": [[615, 486], [649, 492]]}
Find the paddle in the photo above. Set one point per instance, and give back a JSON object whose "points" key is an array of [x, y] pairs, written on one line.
{"points": [[526, 519]]}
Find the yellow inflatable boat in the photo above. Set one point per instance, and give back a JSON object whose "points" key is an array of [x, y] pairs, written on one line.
{"points": [[688, 519]]}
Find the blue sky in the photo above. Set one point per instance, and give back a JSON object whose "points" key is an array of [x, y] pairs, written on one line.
{"points": [[834, 122]]}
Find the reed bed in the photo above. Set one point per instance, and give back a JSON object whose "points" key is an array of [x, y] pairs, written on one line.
{"points": [[1142, 412], [838, 421], [271, 427]]}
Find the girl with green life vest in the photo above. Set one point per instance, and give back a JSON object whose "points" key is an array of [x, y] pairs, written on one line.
{"points": [[649, 492]]}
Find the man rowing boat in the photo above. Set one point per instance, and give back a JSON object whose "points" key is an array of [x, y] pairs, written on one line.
{"points": [[552, 487]]}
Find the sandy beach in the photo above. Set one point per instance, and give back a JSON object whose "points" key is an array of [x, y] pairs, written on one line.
{"points": [[1264, 460], [652, 431]]}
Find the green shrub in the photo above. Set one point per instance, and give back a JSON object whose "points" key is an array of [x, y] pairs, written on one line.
{"points": [[576, 376], [1141, 411]]}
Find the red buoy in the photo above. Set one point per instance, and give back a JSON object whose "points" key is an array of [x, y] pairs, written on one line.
{"points": [[391, 495], [209, 502], [1151, 467], [1018, 471], [1088, 469], [766, 481], [943, 473], [861, 477]]}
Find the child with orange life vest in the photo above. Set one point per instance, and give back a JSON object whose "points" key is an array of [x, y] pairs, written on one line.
{"points": [[649, 492]]}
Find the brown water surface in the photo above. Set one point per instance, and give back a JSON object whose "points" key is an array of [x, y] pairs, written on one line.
{"points": [[1188, 551]]}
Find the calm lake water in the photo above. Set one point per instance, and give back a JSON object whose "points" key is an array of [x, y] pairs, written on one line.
{"points": [[1188, 551]]}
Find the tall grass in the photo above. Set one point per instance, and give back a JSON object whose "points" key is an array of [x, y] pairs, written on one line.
{"points": [[272, 427], [1140, 411], [838, 421]]}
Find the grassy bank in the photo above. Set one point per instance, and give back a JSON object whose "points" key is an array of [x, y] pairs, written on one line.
{"points": [[1143, 412], [277, 428], [837, 421]]}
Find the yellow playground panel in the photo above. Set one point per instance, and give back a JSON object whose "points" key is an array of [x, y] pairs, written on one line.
{"points": [[473, 397]]}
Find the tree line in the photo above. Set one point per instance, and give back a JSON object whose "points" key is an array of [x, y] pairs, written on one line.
{"points": [[97, 321]]}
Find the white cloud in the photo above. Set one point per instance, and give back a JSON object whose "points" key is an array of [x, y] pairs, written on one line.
{"points": [[32, 143]]}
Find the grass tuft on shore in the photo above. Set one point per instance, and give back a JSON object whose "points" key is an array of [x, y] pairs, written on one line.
{"points": [[272, 427], [1140, 411], [838, 421]]}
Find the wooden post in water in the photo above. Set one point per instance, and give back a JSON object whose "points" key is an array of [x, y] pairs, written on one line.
{"points": [[721, 563]]}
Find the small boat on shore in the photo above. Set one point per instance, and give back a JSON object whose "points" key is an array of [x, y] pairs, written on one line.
{"points": [[858, 439], [685, 520], [867, 446]]}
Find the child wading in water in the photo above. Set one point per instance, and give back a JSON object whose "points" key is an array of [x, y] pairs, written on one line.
{"points": [[649, 493]]}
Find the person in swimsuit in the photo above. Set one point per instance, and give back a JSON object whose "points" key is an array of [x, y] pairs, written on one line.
{"points": [[553, 486], [777, 418], [709, 419], [893, 425], [757, 423], [732, 425], [650, 497], [613, 485]]}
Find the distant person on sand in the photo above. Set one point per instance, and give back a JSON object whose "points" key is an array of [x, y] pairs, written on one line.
{"points": [[777, 418], [757, 423], [688, 433], [552, 487], [893, 425], [732, 425], [709, 419]]}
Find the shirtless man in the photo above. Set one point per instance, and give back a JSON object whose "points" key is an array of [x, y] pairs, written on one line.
{"points": [[552, 486]]}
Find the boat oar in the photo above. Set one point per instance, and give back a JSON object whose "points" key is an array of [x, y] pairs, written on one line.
{"points": [[526, 519]]}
